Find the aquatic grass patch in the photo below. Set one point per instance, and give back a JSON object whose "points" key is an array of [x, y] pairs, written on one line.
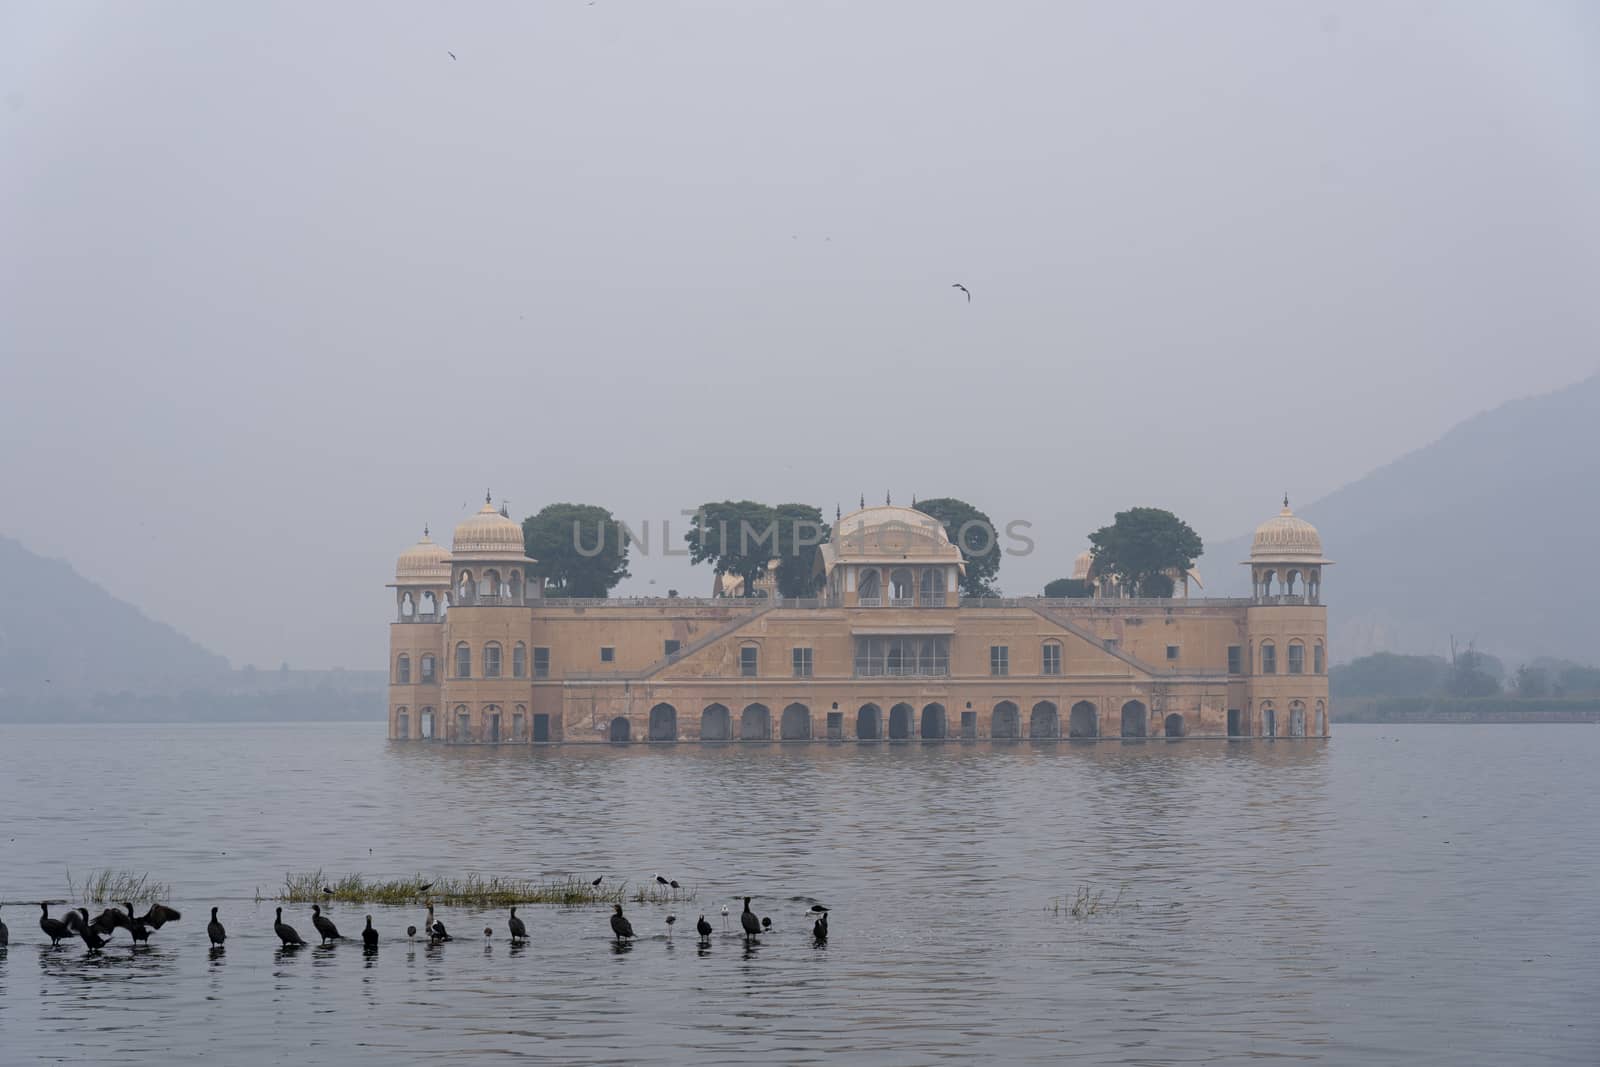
{"points": [[117, 887], [472, 890], [1087, 903], [653, 893]]}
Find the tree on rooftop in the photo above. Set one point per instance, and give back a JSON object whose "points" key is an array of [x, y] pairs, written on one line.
{"points": [[974, 534], [1143, 548], [800, 531], [580, 548], [738, 537]]}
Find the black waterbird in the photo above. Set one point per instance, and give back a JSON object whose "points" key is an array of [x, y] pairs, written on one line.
{"points": [[324, 925], [286, 933], [620, 924], [215, 931]]}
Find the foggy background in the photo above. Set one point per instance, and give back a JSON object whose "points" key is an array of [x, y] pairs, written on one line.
{"points": [[279, 285]]}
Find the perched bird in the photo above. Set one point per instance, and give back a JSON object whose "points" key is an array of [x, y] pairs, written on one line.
{"points": [[136, 927], [91, 937], [670, 920], [703, 928], [674, 884], [327, 891], [324, 925], [435, 928], [661, 881], [369, 936], [424, 887], [819, 929], [488, 931], [215, 931], [620, 924], [519, 932], [597, 881], [748, 920], [54, 929], [963, 288], [766, 924], [286, 933], [724, 916], [159, 915], [818, 908], [411, 931]]}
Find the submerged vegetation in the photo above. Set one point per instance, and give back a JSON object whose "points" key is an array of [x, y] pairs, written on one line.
{"points": [[649, 893], [117, 887], [472, 889], [1087, 903]]}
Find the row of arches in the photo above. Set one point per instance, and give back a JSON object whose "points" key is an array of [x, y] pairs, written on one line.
{"points": [[488, 587], [1294, 659], [903, 722], [491, 660], [1295, 721]]}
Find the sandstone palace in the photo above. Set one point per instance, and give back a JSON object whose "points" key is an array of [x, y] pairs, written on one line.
{"points": [[887, 651]]}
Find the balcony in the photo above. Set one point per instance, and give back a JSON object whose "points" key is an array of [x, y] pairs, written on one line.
{"points": [[870, 601], [903, 602]]}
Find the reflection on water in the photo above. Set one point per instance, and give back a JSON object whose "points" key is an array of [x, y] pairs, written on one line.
{"points": [[1301, 901]]}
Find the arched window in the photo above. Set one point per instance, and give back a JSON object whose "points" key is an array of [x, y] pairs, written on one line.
{"points": [[430, 606], [402, 669], [489, 584], [1269, 658], [463, 660], [514, 587], [491, 660], [1050, 657], [408, 607], [867, 588], [464, 587], [425, 665], [932, 588], [901, 591], [519, 660], [1319, 663], [1297, 657]]}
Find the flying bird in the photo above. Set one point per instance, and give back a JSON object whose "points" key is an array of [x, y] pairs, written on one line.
{"points": [[964, 289], [449, 53]]}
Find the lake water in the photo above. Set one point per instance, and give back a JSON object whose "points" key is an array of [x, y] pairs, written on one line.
{"points": [[1422, 894]]}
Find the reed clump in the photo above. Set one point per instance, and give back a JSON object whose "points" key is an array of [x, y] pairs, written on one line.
{"points": [[654, 893], [470, 890], [117, 887], [1087, 903]]}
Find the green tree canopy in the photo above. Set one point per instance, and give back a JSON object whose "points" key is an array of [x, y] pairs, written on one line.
{"points": [[971, 531], [800, 531], [1474, 674], [1386, 674], [738, 537], [1141, 546], [1075, 588], [580, 548]]}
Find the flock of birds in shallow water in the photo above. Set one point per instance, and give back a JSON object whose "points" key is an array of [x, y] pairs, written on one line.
{"points": [[96, 932]]}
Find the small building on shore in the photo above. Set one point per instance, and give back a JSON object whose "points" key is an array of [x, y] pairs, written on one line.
{"points": [[889, 650]]}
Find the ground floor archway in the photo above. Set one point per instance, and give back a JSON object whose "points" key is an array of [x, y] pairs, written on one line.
{"points": [[491, 725], [1135, 719], [755, 724], [541, 727], [425, 725], [1044, 722], [1083, 720], [463, 725], [900, 717], [402, 725], [1322, 720], [1173, 726], [621, 730], [716, 724], [1297, 720], [795, 724], [934, 726], [869, 723], [1006, 722], [1269, 722], [663, 723]]}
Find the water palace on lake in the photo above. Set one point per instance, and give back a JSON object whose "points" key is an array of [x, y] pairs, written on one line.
{"points": [[888, 651]]}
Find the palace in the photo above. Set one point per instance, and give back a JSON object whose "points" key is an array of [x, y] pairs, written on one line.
{"points": [[889, 650]]}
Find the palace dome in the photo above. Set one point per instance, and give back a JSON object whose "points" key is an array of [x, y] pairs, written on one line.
{"points": [[1287, 537], [424, 562], [488, 534], [890, 516]]}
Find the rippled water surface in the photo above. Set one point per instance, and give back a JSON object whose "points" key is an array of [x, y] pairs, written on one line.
{"points": [[1421, 894]]}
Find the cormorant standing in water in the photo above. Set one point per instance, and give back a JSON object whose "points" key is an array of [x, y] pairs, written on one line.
{"points": [[819, 929], [748, 920], [620, 924], [435, 928], [107, 922], [369, 936], [703, 928], [324, 925], [215, 931], [159, 915], [90, 936], [5, 933], [136, 927], [519, 932], [54, 929], [286, 933]]}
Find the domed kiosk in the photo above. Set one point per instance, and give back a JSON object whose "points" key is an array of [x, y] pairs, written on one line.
{"points": [[1286, 560]]}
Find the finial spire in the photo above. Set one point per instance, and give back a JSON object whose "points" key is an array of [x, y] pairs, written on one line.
{"points": [[488, 498], [424, 531], [863, 500], [838, 512], [1286, 501], [886, 498]]}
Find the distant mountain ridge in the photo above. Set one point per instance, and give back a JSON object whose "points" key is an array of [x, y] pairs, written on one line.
{"points": [[64, 635], [1488, 533]]}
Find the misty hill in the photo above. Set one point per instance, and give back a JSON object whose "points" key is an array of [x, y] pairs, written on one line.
{"points": [[1487, 533], [63, 634]]}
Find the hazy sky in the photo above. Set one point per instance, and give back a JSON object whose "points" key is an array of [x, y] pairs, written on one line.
{"points": [[281, 283]]}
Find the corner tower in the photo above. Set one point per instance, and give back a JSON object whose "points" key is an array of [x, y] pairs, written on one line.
{"points": [[486, 690], [421, 589], [1287, 629]]}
